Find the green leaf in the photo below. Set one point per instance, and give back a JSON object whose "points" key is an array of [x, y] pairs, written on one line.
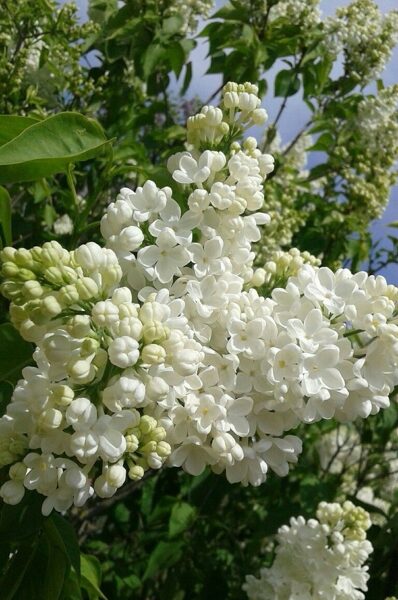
{"points": [[15, 353], [58, 562], [90, 569], [12, 125], [71, 589], [172, 25], [100, 10], [230, 13], [318, 171], [181, 517], [164, 555], [6, 390], [69, 538], [10, 584], [17, 523], [153, 56], [49, 146], [5, 218], [176, 57], [187, 78], [287, 83]]}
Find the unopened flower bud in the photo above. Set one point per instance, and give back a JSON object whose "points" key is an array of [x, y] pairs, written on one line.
{"points": [[87, 288], [136, 473], [153, 354]]}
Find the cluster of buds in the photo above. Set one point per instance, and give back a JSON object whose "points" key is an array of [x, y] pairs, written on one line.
{"points": [[282, 265], [46, 282], [240, 107]]}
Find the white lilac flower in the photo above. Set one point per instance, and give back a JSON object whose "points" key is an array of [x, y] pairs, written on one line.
{"points": [[157, 350], [318, 558]]}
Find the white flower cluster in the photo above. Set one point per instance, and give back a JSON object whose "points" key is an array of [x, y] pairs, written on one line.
{"points": [[159, 348], [318, 558], [365, 35], [378, 122], [191, 11], [305, 13]]}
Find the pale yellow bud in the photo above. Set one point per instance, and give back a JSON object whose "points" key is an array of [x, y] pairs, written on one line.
{"points": [[23, 258], [54, 275], [163, 449], [79, 326], [87, 288], [62, 395], [8, 254], [9, 269], [155, 331], [81, 371], [136, 473], [147, 424], [26, 275], [132, 442], [17, 471], [89, 346], [69, 295], [149, 447], [153, 354]]}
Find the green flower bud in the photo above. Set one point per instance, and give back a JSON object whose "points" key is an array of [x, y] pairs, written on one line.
{"points": [[136, 473], [17, 471], [26, 275], [9, 269], [155, 331], [132, 443], [81, 371], [158, 434], [148, 447], [89, 346], [12, 291], [54, 276], [147, 424], [8, 254], [153, 354], [23, 258], [53, 254], [62, 395], [163, 449]]}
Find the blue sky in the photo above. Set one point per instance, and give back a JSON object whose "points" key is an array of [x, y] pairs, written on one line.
{"points": [[297, 113]]}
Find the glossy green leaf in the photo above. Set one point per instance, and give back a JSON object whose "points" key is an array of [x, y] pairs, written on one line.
{"points": [[287, 83], [15, 353], [49, 146], [13, 125], [5, 218]]}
